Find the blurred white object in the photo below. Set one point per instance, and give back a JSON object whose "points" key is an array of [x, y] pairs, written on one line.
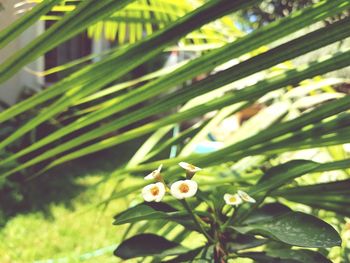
{"points": [[347, 147]]}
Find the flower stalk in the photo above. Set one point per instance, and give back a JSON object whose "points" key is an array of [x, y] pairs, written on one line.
{"points": [[198, 222]]}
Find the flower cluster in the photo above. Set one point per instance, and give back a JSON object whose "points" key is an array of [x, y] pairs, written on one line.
{"points": [[180, 189], [184, 188], [238, 198]]}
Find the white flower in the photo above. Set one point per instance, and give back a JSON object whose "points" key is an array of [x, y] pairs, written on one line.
{"points": [[155, 174], [245, 197], [153, 192], [190, 169], [183, 189], [232, 199]]}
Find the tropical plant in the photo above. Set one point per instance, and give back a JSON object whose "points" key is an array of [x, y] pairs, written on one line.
{"points": [[253, 75]]}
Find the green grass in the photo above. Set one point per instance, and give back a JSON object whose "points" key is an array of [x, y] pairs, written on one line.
{"points": [[67, 232], [58, 217]]}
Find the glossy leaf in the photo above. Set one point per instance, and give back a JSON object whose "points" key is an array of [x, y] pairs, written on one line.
{"points": [[287, 256], [142, 212], [148, 245], [297, 229], [267, 212], [156, 211]]}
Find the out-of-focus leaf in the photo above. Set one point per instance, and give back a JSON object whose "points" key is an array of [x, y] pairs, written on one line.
{"points": [[282, 174], [335, 196], [21, 24], [310, 101]]}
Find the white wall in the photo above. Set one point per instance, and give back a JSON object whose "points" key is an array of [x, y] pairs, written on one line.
{"points": [[10, 90]]}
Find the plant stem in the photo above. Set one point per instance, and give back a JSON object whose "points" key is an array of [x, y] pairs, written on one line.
{"points": [[197, 221], [229, 221]]}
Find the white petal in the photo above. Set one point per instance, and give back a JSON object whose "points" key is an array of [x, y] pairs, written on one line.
{"points": [[246, 197], [149, 176], [228, 199], [174, 190], [189, 167], [146, 193], [193, 188], [153, 175], [148, 196], [177, 193], [161, 193], [160, 168], [184, 165]]}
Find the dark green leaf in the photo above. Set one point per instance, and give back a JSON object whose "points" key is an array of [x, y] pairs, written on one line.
{"points": [[241, 242], [301, 255], [148, 245], [190, 255], [282, 174], [138, 213], [335, 195], [297, 229], [287, 256], [156, 211], [267, 212]]}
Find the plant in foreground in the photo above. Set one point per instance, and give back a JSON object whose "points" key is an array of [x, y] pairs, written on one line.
{"points": [[235, 224]]}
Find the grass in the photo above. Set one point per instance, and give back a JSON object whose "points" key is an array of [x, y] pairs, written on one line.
{"points": [[66, 233], [58, 218]]}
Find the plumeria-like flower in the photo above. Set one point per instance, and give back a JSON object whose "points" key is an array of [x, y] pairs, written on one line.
{"points": [[245, 197], [190, 169], [184, 189], [155, 175], [153, 192], [232, 199]]}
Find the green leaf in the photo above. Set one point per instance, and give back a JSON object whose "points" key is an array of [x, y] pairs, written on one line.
{"points": [[335, 195], [297, 229], [84, 82], [113, 107], [156, 211], [301, 255], [257, 90], [148, 245], [87, 13], [21, 24], [241, 242], [187, 257], [286, 256], [267, 212], [143, 212], [282, 174]]}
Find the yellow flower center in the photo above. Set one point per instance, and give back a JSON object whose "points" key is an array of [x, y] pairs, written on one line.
{"points": [[184, 188], [233, 199], [155, 190], [191, 167]]}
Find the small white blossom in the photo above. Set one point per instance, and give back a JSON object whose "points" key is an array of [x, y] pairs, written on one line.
{"points": [[153, 192], [232, 199], [190, 169], [245, 197], [155, 174], [184, 189]]}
